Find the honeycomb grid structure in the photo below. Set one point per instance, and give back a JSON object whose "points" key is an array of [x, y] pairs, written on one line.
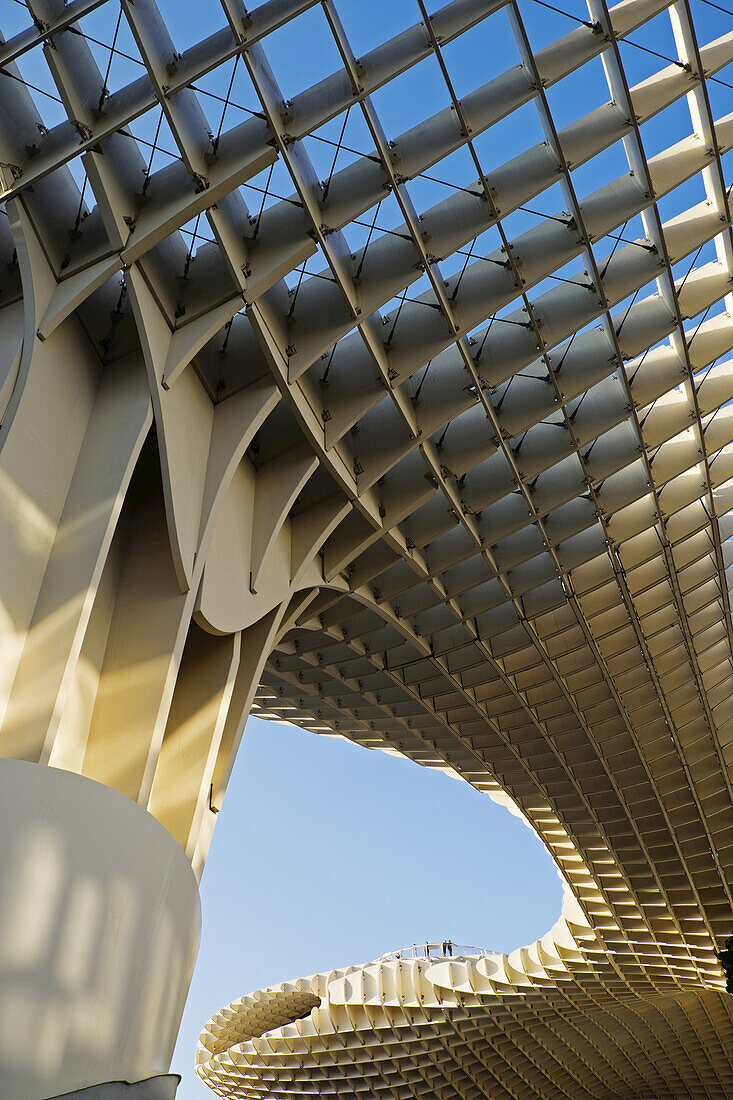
{"points": [[490, 455]]}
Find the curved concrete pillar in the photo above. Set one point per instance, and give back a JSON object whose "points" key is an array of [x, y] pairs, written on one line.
{"points": [[99, 928], [155, 1088]]}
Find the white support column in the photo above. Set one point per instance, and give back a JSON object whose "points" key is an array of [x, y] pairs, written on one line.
{"points": [[99, 928]]}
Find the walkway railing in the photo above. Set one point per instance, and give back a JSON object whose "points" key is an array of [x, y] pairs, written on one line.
{"points": [[430, 950]]}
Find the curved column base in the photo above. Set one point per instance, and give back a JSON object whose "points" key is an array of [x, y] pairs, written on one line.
{"points": [[99, 927], [153, 1088]]}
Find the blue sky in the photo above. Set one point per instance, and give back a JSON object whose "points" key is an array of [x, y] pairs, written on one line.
{"points": [[326, 854]]}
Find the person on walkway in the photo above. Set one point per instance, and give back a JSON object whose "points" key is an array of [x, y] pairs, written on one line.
{"points": [[445, 948], [427, 950], [725, 958], [450, 948]]}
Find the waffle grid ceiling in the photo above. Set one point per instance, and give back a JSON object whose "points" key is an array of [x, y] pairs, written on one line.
{"points": [[498, 318]]}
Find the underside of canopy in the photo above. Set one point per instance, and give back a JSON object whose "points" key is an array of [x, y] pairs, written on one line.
{"points": [[441, 455]]}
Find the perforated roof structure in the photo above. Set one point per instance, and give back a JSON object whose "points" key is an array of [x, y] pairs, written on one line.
{"points": [[464, 276], [537, 1024]]}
